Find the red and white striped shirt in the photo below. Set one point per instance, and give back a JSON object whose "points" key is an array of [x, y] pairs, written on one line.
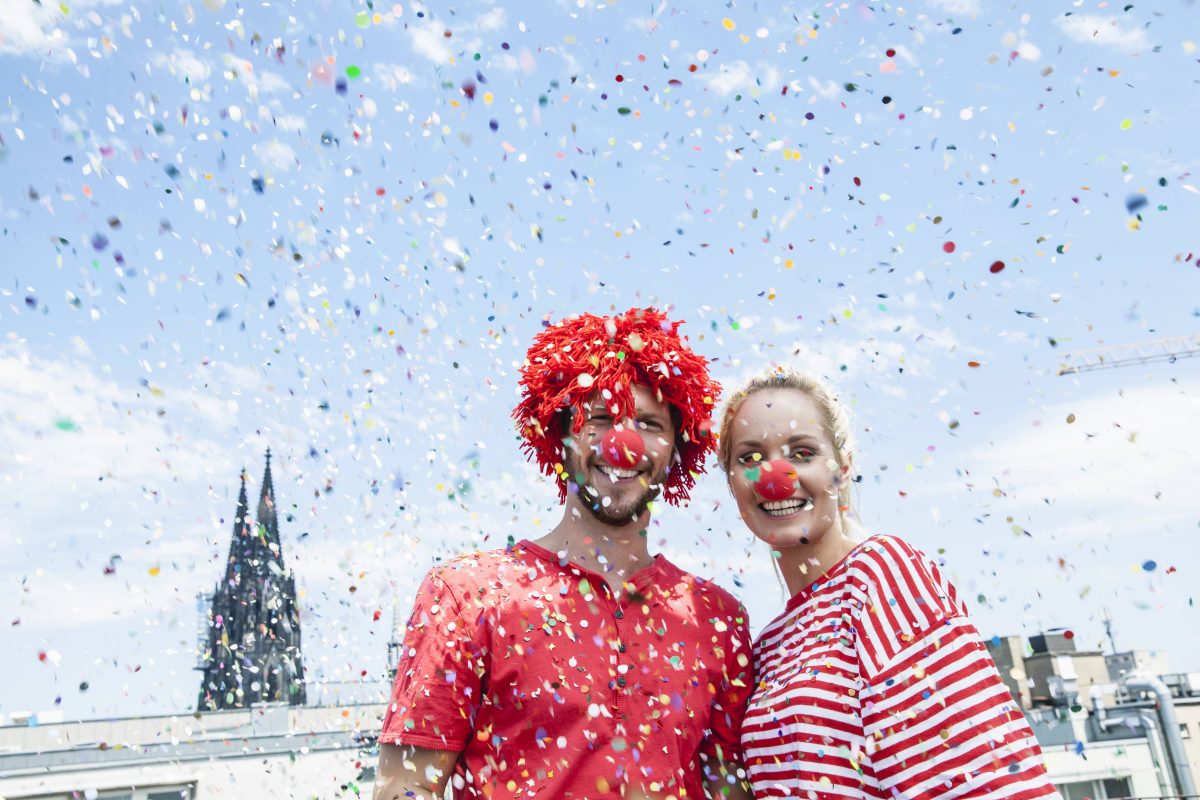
{"points": [[873, 683]]}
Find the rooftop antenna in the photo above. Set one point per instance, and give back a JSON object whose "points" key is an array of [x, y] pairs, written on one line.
{"points": [[1108, 628]]}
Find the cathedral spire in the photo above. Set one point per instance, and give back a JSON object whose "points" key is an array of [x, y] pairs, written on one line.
{"points": [[266, 508], [241, 532]]}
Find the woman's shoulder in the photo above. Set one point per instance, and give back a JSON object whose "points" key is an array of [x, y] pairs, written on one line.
{"points": [[886, 551], [888, 563], [898, 580]]}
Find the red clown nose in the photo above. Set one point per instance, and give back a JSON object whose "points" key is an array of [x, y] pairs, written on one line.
{"points": [[777, 480], [622, 447]]}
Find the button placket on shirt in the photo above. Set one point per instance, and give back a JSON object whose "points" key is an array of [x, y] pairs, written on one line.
{"points": [[618, 685]]}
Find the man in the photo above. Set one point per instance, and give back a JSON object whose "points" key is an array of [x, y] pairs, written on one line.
{"points": [[577, 665]]}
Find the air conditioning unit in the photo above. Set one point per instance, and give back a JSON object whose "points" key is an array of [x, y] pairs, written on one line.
{"points": [[1063, 691]]}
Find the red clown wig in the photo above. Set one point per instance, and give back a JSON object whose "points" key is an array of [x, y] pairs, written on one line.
{"points": [[570, 362]]}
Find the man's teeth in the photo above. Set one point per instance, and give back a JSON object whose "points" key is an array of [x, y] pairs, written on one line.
{"points": [[781, 508], [616, 473]]}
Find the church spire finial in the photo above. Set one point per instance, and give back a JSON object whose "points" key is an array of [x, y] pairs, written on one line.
{"points": [[267, 517]]}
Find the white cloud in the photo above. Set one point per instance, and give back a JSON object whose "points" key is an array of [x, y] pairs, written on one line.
{"points": [[875, 348], [96, 463], [739, 75], [506, 62], [272, 82], [1104, 30], [393, 75], [255, 80], [428, 41], [827, 91], [730, 78], [28, 28], [1126, 462], [61, 416], [492, 20], [971, 7], [291, 123], [97, 466], [276, 154], [1028, 50], [184, 64], [37, 29]]}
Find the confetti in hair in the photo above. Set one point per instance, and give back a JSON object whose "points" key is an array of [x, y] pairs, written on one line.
{"points": [[582, 356]]}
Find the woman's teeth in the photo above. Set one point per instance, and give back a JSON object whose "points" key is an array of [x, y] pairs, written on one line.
{"points": [[616, 473], [781, 508]]}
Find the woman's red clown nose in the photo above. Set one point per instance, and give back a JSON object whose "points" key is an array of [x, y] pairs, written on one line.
{"points": [[776, 481], [622, 447]]}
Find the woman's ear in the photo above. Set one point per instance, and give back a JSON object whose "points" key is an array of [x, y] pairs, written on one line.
{"points": [[845, 478]]}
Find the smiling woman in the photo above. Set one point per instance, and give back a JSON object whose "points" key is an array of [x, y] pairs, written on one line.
{"points": [[872, 682], [782, 433]]}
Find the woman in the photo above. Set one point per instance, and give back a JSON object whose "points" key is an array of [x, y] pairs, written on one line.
{"points": [[872, 683]]}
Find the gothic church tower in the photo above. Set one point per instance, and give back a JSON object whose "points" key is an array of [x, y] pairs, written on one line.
{"points": [[252, 655]]}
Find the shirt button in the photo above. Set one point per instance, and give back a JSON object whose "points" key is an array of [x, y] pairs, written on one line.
{"points": [[621, 648], [619, 614], [621, 681]]}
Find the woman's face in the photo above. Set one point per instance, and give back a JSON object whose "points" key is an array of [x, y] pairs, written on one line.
{"points": [[785, 424]]}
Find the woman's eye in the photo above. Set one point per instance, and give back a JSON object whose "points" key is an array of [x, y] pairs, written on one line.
{"points": [[649, 425], [803, 454], [750, 458]]}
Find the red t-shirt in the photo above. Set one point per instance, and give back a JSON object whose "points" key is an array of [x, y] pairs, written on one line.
{"points": [[873, 684], [549, 686]]}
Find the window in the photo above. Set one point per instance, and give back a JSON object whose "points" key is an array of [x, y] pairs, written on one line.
{"points": [[1117, 787], [168, 792], [182, 793], [1078, 791], [1106, 789]]}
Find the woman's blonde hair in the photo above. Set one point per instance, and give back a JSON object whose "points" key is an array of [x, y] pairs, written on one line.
{"points": [[833, 416]]}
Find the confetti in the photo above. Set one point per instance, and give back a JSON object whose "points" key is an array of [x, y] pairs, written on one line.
{"points": [[232, 231]]}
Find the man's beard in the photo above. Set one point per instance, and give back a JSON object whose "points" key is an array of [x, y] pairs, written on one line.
{"points": [[611, 515]]}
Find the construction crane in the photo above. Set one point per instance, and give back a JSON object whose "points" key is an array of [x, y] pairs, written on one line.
{"points": [[1169, 350]]}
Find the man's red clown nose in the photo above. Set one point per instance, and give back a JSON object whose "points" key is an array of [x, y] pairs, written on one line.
{"points": [[777, 480], [622, 447]]}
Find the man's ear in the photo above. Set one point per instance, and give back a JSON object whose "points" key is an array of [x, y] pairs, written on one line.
{"points": [[566, 418]]}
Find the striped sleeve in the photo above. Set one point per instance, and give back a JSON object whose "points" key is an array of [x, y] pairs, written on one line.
{"points": [[937, 719]]}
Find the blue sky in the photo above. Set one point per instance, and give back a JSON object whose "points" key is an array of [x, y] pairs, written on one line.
{"points": [[332, 229]]}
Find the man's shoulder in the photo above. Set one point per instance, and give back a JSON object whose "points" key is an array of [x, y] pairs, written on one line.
{"points": [[476, 565], [706, 591]]}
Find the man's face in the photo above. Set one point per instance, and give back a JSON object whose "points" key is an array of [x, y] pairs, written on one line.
{"points": [[614, 495]]}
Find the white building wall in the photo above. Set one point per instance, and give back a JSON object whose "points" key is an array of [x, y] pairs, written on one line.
{"points": [[1127, 758], [283, 776]]}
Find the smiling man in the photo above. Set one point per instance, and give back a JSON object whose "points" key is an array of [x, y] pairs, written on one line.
{"points": [[577, 665]]}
